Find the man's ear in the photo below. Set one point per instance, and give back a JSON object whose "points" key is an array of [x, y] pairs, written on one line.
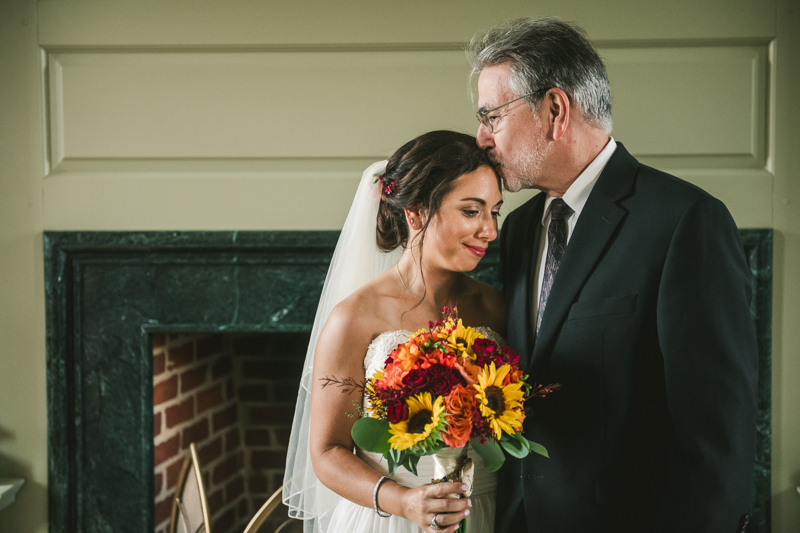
{"points": [[558, 109]]}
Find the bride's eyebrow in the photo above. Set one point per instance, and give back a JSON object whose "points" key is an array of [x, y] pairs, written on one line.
{"points": [[480, 201]]}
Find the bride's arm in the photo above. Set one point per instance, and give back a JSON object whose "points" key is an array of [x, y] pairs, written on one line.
{"points": [[340, 353]]}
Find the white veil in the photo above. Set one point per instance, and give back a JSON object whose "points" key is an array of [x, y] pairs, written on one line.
{"points": [[355, 262]]}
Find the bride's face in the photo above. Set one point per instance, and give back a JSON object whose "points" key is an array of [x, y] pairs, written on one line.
{"points": [[465, 223]]}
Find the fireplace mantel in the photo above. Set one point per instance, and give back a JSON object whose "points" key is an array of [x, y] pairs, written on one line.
{"points": [[108, 292]]}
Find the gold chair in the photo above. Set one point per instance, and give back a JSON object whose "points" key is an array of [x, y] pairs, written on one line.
{"points": [[190, 509], [287, 526]]}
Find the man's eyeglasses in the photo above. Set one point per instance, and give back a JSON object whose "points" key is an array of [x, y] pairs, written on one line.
{"points": [[489, 121]]}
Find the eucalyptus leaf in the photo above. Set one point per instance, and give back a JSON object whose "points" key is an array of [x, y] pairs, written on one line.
{"points": [[372, 434], [491, 454], [538, 448], [514, 447]]}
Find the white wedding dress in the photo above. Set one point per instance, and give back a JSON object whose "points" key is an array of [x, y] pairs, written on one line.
{"points": [[349, 517]]}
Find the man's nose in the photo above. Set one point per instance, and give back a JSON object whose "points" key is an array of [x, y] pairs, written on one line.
{"points": [[485, 138]]}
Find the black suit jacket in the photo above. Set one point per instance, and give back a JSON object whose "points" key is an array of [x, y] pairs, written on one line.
{"points": [[649, 332]]}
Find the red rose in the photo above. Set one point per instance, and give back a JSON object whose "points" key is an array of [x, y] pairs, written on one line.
{"points": [[509, 357], [397, 411], [416, 380]]}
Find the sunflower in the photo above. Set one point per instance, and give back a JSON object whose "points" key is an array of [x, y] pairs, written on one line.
{"points": [[424, 417], [462, 338], [500, 404]]}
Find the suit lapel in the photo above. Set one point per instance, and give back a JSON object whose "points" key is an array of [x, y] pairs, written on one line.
{"points": [[520, 316], [597, 223]]}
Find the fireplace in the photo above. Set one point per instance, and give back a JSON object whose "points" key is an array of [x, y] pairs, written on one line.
{"points": [[115, 301], [233, 396]]}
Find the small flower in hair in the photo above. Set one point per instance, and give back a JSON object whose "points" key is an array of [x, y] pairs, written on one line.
{"points": [[387, 187]]}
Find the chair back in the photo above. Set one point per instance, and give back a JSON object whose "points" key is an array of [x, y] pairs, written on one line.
{"points": [[190, 508], [288, 526]]}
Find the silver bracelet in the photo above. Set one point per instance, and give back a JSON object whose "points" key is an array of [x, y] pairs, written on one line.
{"points": [[382, 514]]}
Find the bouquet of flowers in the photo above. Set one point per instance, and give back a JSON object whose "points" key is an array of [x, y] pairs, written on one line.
{"points": [[447, 387]]}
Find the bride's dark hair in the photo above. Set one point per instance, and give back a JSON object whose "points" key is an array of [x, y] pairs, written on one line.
{"points": [[423, 171]]}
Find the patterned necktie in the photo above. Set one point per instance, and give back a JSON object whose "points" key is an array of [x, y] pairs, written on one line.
{"points": [[556, 246]]}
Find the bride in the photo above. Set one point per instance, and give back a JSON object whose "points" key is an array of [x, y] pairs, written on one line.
{"points": [[418, 223]]}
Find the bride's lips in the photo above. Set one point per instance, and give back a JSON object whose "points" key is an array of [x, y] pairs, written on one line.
{"points": [[480, 252]]}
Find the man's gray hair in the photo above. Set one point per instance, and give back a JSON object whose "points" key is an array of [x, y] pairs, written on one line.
{"points": [[544, 53]]}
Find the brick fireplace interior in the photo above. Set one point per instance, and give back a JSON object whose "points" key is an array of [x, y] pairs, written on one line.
{"points": [[233, 395]]}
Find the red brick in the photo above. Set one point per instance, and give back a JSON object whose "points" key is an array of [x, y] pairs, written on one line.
{"points": [[226, 522], [232, 440], [210, 451], [286, 392], [225, 417], [257, 483], [230, 390], [164, 509], [234, 489], [158, 483], [276, 480], [174, 472], [167, 450], [180, 413], [272, 416], [158, 340], [257, 437], [165, 390], [196, 433], [191, 379], [282, 436], [253, 393], [210, 345], [293, 345], [226, 469], [250, 345], [180, 356], [159, 363], [215, 501], [222, 367], [272, 369], [156, 424], [209, 398], [265, 459], [244, 509]]}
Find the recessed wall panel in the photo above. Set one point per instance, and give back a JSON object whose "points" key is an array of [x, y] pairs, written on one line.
{"points": [[691, 102], [255, 104]]}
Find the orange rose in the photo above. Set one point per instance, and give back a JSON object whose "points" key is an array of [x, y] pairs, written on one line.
{"points": [[458, 405], [393, 377], [407, 355]]}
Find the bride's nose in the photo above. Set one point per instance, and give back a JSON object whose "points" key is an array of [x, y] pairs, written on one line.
{"points": [[488, 229]]}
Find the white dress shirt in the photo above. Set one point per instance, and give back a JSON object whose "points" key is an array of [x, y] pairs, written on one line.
{"points": [[575, 197]]}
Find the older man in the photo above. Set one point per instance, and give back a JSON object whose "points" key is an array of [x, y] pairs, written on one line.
{"points": [[629, 287]]}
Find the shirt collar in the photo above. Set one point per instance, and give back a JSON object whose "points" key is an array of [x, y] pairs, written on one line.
{"points": [[577, 193]]}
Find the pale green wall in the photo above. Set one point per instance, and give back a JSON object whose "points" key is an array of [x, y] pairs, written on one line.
{"points": [[230, 176]]}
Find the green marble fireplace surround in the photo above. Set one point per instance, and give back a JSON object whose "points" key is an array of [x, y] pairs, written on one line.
{"points": [[108, 292]]}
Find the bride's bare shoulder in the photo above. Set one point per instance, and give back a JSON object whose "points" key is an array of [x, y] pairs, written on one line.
{"points": [[363, 315]]}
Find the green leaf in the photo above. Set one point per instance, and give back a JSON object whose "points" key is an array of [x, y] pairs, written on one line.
{"points": [[372, 435], [515, 447], [411, 463], [538, 448], [392, 465], [491, 454]]}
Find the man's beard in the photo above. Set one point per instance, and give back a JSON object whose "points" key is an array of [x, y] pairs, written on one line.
{"points": [[524, 169]]}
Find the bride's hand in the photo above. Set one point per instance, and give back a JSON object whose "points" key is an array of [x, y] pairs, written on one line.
{"points": [[423, 503]]}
